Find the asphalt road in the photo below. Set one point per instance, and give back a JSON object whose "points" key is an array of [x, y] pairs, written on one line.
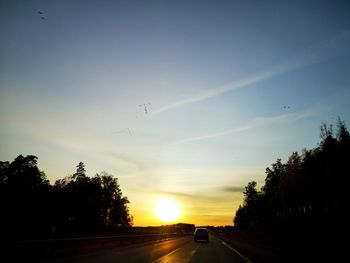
{"points": [[177, 250]]}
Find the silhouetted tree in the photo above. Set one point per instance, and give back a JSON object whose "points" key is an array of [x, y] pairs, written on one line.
{"points": [[343, 134], [315, 181], [253, 204], [24, 198], [114, 205], [326, 131], [240, 219], [30, 207], [80, 175], [82, 200], [287, 192], [4, 166], [272, 180], [24, 173], [110, 191], [250, 194], [92, 201]]}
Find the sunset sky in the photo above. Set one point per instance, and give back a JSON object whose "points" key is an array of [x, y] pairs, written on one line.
{"points": [[184, 100]]}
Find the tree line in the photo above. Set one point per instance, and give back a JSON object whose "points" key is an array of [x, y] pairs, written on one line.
{"points": [[314, 183], [31, 207]]}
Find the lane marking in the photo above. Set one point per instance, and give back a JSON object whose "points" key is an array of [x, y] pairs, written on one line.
{"points": [[162, 258], [192, 253], [234, 250], [166, 255]]}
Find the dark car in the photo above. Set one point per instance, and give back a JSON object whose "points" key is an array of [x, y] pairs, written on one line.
{"points": [[201, 234]]}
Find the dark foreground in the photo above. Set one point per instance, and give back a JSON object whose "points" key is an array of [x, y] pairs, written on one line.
{"points": [[294, 242], [182, 249], [179, 249], [291, 241]]}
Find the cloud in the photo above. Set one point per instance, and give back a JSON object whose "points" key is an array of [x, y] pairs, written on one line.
{"points": [[179, 194], [257, 122], [322, 51], [213, 195], [232, 189], [126, 159]]}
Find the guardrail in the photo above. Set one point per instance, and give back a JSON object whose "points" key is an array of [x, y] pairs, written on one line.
{"points": [[42, 250]]}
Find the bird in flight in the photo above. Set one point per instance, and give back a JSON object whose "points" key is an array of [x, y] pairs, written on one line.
{"points": [[124, 131], [41, 13], [145, 107], [129, 132]]}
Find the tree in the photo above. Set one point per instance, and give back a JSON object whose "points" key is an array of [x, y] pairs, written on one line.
{"points": [[272, 184], [288, 186], [30, 207], [240, 220], [24, 198], [24, 173], [252, 210], [317, 180], [250, 194], [343, 134], [114, 206], [80, 175], [4, 166]]}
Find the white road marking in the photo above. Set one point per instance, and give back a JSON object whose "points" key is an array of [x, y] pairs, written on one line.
{"points": [[234, 250], [192, 253], [168, 257]]}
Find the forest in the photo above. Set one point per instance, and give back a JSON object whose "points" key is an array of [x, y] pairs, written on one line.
{"points": [[311, 185], [32, 208]]}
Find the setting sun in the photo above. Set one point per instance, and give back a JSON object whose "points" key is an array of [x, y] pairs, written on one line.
{"points": [[167, 210]]}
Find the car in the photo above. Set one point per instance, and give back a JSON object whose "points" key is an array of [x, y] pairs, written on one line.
{"points": [[201, 235]]}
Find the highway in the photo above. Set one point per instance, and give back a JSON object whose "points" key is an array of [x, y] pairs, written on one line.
{"points": [[177, 250]]}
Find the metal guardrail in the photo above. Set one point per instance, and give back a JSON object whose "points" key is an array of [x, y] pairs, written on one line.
{"points": [[41, 250]]}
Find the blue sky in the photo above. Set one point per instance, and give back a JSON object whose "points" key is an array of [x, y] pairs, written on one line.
{"points": [[228, 86]]}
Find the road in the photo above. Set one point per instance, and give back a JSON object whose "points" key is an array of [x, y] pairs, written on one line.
{"points": [[177, 250]]}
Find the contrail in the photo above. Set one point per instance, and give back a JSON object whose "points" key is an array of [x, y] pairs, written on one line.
{"points": [[315, 54], [257, 122]]}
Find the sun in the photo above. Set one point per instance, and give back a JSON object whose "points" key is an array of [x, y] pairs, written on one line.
{"points": [[167, 210]]}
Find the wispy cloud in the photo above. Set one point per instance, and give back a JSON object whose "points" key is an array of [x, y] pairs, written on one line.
{"points": [[211, 194], [180, 194], [121, 157], [320, 52], [232, 189], [256, 122]]}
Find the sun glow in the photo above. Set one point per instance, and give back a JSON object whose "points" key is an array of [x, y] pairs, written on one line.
{"points": [[167, 210]]}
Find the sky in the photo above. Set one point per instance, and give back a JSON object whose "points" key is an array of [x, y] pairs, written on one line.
{"points": [[185, 100]]}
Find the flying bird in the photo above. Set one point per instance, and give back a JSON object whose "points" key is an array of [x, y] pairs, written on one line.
{"points": [[129, 132], [124, 131], [41, 13], [145, 107]]}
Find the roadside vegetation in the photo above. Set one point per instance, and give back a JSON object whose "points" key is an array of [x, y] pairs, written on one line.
{"points": [[301, 209], [32, 208]]}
